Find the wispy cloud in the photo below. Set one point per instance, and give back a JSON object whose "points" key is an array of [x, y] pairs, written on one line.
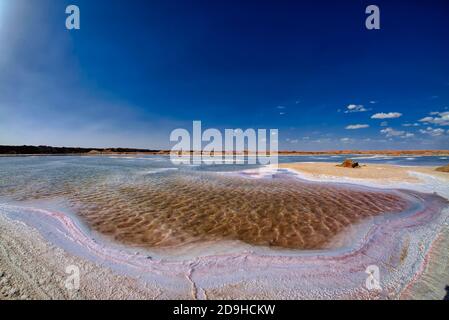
{"points": [[355, 108], [357, 126], [389, 115], [282, 110], [439, 119], [390, 132], [432, 132]]}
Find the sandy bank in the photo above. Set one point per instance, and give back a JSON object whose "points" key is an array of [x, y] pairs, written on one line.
{"points": [[382, 174]]}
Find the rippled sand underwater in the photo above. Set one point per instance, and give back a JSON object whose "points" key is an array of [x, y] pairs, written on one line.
{"points": [[149, 202]]}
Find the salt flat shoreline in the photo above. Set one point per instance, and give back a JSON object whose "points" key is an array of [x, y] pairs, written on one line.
{"points": [[36, 245], [16, 151], [376, 173]]}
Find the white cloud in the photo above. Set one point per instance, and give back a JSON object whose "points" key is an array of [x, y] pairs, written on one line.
{"points": [[355, 108], [357, 126], [432, 132], [389, 115], [345, 140], [439, 119], [426, 119], [408, 135], [411, 124], [390, 132], [280, 107], [384, 124]]}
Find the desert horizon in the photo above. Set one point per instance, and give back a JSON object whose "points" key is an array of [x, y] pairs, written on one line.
{"points": [[47, 150]]}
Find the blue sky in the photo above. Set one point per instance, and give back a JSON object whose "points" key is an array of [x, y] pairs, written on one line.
{"points": [[138, 69]]}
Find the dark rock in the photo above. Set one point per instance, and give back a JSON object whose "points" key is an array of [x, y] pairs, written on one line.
{"points": [[348, 163], [443, 169]]}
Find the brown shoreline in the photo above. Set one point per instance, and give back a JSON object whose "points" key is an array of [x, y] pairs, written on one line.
{"points": [[75, 151]]}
